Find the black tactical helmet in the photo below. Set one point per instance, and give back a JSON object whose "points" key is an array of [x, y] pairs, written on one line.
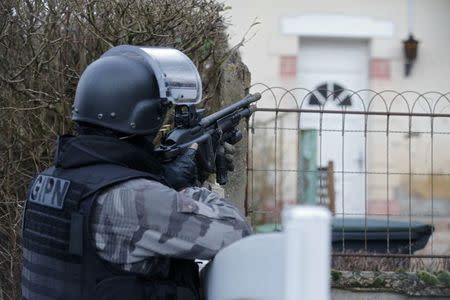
{"points": [[129, 88]]}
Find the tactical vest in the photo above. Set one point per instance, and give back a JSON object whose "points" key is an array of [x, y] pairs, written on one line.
{"points": [[59, 257]]}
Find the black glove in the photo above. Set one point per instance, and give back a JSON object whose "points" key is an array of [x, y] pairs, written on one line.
{"points": [[182, 172]]}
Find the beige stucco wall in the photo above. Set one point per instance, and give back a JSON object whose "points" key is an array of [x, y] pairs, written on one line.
{"points": [[431, 26]]}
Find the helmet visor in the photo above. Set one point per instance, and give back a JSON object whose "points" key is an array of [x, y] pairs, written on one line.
{"points": [[177, 77]]}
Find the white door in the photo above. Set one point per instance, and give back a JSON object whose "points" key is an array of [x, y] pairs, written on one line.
{"points": [[331, 66]]}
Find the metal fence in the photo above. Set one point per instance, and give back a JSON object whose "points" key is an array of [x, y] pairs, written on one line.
{"points": [[378, 160]]}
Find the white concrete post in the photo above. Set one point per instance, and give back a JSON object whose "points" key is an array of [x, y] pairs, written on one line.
{"points": [[307, 259]]}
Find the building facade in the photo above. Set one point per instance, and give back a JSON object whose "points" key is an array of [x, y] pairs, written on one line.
{"points": [[333, 46]]}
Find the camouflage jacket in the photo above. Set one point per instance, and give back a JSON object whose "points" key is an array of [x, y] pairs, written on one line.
{"points": [[141, 219]]}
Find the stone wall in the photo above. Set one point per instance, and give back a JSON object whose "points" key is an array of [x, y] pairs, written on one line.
{"points": [[337, 294], [376, 285], [234, 85]]}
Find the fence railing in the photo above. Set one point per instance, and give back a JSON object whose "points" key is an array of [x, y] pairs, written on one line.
{"points": [[378, 160]]}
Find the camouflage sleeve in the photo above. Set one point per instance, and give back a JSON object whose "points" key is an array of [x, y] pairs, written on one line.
{"points": [[140, 218]]}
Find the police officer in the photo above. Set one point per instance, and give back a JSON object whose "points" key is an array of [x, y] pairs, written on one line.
{"points": [[109, 220]]}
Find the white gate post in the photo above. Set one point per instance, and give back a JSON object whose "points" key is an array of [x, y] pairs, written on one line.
{"points": [[307, 238]]}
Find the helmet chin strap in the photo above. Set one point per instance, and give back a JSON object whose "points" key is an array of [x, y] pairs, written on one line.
{"points": [[127, 137]]}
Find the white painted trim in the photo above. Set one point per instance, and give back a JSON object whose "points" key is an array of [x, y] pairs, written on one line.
{"points": [[329, 25]]}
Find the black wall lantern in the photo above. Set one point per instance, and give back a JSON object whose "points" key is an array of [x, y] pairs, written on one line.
{"points": [[410, 48]]}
